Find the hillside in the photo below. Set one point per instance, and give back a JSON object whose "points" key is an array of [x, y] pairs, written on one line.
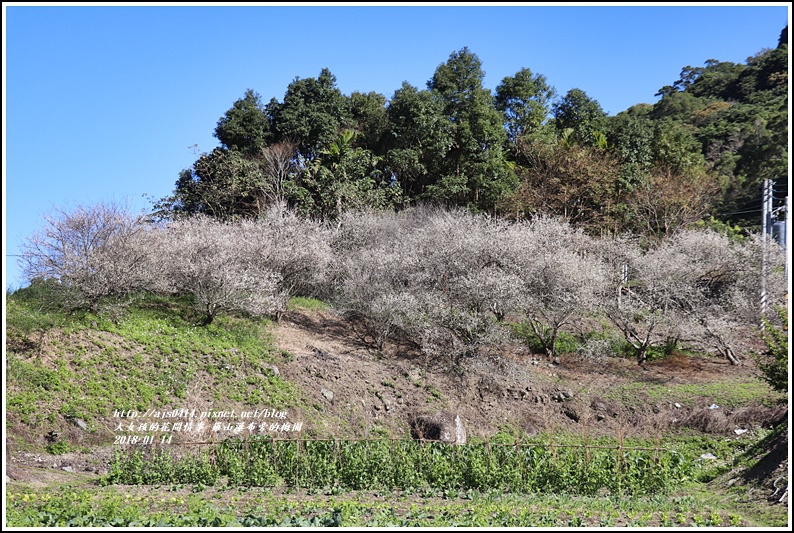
{"points": [[67, 375]]}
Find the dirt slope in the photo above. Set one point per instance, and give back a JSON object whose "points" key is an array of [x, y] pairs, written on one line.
{"points": [[354, 391]]}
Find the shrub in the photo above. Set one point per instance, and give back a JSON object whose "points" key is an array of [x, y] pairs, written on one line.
{"points": [[774, 363], [213, 261], [88, 254]]}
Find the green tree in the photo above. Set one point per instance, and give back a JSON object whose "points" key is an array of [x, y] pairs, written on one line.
{"points": [[369, 114], [748, 141], [738, 116], [312, 115], [689, 75], [474, 171], [223, 184], [343, 177], [418, 139], [581, 113], [766, 71], [675, 147], [525, 101], [245, 126], [631, 140], [718, 80], [677, 106]]}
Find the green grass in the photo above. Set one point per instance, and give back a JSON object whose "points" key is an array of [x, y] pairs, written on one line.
{"points": [[737, 393], [565, 343], [215, 505], [309, 304], [149, 357]]}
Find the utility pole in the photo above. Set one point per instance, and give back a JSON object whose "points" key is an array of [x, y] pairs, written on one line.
{"points": [[766, 228], [624, 280], [787, 236], [781, 231]]}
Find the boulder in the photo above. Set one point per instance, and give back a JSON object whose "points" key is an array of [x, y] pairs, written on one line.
{"points": [[530, 429], [571, 413], [444, 427], [604, 408]]}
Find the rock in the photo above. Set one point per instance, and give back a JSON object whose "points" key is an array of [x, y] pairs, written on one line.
{"points": [[328, 395], [740, 431], [321, 354], [708, 456], [677, 405], [15, 473], [571, 413], [386, 402], [530, 430], [600, 417], [602, 407], [413, 374], [562, 396], [444, 426], [79, 422], [67, 469], [556, 361], [273, 369]]}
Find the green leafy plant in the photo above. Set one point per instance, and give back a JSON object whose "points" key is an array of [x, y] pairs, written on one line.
{"points": [[774, 364], [58, 448]]}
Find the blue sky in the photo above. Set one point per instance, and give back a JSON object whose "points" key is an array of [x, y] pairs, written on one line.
{"points": [[104, 102]]}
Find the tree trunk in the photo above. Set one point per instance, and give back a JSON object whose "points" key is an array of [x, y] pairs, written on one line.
{"points": [[642, 354], [731, 356]]}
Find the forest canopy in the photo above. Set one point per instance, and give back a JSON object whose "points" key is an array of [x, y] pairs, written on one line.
{"points": [[699, 155]]}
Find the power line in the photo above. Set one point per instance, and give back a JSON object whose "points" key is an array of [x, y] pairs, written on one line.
{"points": [[743, 212]]}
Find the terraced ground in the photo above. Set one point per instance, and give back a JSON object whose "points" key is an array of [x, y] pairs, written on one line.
{"points": [[67, 375]]}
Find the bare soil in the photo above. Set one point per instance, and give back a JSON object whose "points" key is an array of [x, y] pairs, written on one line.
{"points": [[512, 386]]}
